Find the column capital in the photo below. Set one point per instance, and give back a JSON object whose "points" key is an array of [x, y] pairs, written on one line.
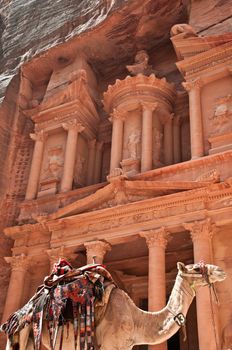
{"points": [[194, 84], [97, 249], [156, 238], [202, 229], [39, 136], [19, 262], [92, 143], [149, 106], [73, 125], [117, 114]]}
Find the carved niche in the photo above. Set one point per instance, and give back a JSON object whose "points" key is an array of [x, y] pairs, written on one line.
{"points": [[221, 118], [157, 148], [80, 171], [52, 173], [131, 165], [221, 125]]}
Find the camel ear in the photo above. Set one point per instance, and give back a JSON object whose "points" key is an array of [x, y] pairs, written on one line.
{"points": [[181, 267]]}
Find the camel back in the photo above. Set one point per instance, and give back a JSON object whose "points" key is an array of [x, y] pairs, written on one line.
{"points": [[66, 295]]}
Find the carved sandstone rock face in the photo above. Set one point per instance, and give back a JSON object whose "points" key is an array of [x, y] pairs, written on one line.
{"points": [[29, 28]]}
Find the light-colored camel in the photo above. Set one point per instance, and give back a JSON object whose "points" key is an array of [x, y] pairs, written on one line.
{"points": [[121, 324]]}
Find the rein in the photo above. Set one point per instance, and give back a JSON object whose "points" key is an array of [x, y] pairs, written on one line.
{"points": [[180, 319]]}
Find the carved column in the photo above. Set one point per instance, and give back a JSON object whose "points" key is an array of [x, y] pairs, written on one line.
{"points": [[91, 161], [202, 233], [73, 128], [196, 128], [15, 295], [117, 118], [168, 140], [156, 241], [146, 154], [33, 182], [176, 140], [96, 251]]}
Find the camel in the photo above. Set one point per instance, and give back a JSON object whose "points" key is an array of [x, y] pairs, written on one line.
{"points": [[120, 324]]}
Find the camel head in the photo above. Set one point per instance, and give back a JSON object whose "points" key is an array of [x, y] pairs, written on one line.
{"points": [[201, 274]]}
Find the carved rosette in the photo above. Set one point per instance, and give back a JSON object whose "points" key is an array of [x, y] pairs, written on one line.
{"points": [[156, 238], [73, 125], [96, 249], [19, 262], [39, 136], [200, 230]]}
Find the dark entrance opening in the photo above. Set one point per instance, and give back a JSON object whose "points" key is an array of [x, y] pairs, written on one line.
{"points": [[174, 342]]}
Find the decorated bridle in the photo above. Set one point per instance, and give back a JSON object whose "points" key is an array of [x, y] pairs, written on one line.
{"points": [[180, 319]]}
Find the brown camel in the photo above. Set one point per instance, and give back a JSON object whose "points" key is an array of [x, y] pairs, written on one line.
{"points": [[120, 324]]}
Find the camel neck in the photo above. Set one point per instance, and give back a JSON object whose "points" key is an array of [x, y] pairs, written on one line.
{"points": [[157, 327]]}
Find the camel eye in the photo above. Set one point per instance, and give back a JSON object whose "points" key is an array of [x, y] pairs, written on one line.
{"points": [[197, 269]]}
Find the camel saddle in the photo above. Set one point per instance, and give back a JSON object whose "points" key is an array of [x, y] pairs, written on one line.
{"points": [[67, 295]]}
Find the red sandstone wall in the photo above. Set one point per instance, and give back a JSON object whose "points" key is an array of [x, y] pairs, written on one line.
{"points": [[207, 16]]}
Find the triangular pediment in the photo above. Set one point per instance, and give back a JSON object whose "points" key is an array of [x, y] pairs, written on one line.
{"points": [[122, 191]]}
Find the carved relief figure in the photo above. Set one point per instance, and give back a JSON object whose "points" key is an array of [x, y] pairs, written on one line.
{"points": [[55, 163], [221, 117], [134, 140], [80, 172], [158, 141]]}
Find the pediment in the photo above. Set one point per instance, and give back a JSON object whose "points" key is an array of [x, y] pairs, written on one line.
{"points": [[123, 191], [188, 44], [66, 101]]}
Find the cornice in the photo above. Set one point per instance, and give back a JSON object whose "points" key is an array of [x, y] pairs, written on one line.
{"points": [[206, 60], [169, 211], [148, 209], [145, 88]]}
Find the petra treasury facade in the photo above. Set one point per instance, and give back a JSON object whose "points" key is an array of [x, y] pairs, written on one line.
{"points": [[117, 144]]}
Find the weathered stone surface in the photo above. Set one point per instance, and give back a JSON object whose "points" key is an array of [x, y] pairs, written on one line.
{"points": [[64, 55], [211, 17], [28, 29]]}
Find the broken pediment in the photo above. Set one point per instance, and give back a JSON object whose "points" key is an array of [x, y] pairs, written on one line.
{"points": [[188, 44], [122, 191]]}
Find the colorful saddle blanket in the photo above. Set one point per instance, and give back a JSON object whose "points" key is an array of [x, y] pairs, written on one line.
{"points": [[67, 295]]}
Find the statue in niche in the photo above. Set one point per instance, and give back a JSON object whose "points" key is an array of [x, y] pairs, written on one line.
{"points": [[158, 141], [134, 140], [79, 177], [141, 65], [55, 163]]}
